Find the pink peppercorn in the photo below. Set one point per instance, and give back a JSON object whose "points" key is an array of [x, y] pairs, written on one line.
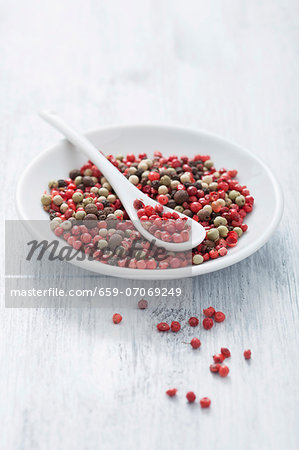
{"points": [[163, 326], [209, 312], [175, 326], [225, 352], [223, 371], [195, 343], [193, 321], [214, 368], [190, 397], [171, 392], [117, 318], [219, 316], [247, 354], [207, 323], [205, 402], [219, 358]]}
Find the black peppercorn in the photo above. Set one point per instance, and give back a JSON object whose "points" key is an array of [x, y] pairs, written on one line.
{"points": [[91, 208], [181, 196], [114, 241], [62, 183], [74, 173]]}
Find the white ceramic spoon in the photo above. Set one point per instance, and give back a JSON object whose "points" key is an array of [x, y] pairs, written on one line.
{"points": [[125, 190]]}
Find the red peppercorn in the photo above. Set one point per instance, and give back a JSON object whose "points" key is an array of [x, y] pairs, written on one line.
{"points": [[223, 371], [190, 397], [247, 354], [219, 358], [193, 321], [117, 318], [163, 326], [214, 368], [175, 326], [207, 323], [219, 316], [225, 352], [171, 392], [205, 402], [152, 176], [138, 204], [195, 343], [209, 312], [131, 157]]}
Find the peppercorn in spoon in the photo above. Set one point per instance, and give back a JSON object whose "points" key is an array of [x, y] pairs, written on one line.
{"points": [[165, 227]]}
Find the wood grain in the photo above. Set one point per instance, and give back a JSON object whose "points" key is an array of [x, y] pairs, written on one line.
{"points": [[69, 379]]}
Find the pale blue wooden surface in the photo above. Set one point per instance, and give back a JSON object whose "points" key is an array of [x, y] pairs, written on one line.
{"points": [[69, 379]]}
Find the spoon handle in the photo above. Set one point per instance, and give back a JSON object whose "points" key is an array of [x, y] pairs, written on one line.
{"points": [[80, 141]]}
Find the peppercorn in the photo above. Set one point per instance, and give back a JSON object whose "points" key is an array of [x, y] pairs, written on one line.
{"points": [[225, 352], [197, 259], [91, 208], [190, 397], [74, 174], [195, 343], [181, 196], [247, 354], [193, 321], [175, 326], [142, 304], [207, 323], [205, 402], [46, 199], [219, 316], [171, 392], [117, 318], [213, 234], [223, 371], [163, 326], [209, 312]]}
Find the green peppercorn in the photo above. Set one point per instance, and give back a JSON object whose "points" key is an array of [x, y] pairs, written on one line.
{"points": [[63, 207], [219, 221], [103, 232], [57, 200], [134, 179], [213, 186], [240, 200], [87, 201], [213, 234], [163, 190], [179, 208], [102, 244], [46, 199], [78, 180], [53, 184], [239, 231], [223, 231], [197, 259], [233, 194], [77, 197], [207, 179], [79, 215], [165, 180], [111, 198], [208, 164], [66, 225], [103, 192]]}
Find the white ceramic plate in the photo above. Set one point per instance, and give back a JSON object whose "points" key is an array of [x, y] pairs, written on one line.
{"points": [[57, 161]]}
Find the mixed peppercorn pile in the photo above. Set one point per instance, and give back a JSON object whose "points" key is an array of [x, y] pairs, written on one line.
{"points": [[85, 211]]}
